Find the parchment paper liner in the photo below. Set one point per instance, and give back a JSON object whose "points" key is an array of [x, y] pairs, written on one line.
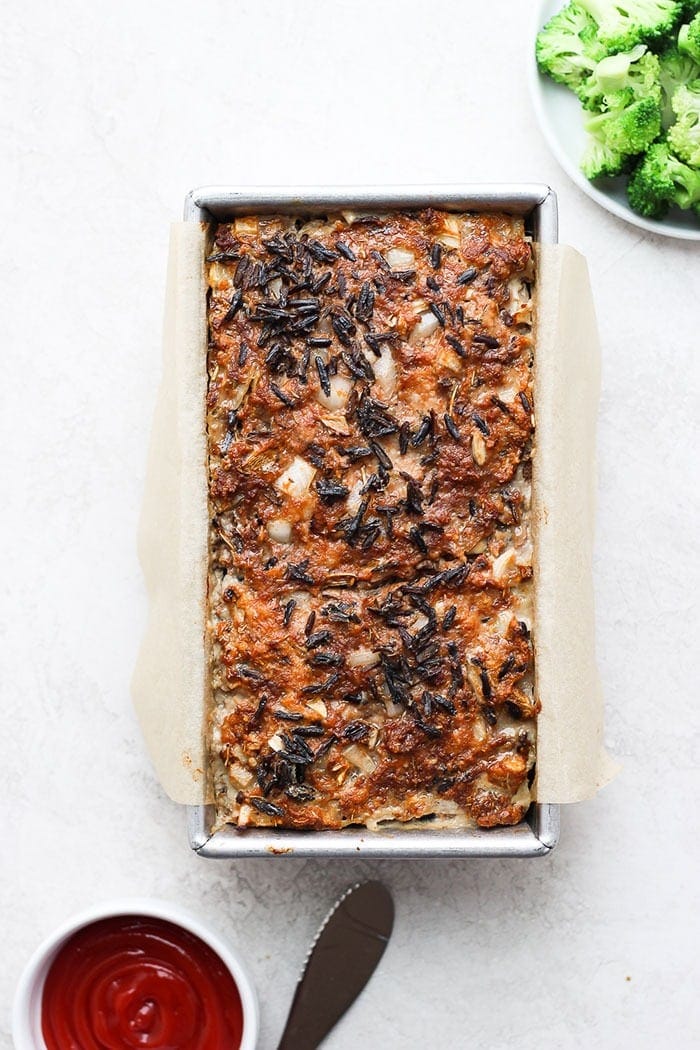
{"points": [[170, 682]]}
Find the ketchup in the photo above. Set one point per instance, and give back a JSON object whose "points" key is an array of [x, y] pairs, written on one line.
{"points": [[134, 981]]}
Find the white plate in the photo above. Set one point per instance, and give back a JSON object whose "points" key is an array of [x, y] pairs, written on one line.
{"points": [[560, 117]]}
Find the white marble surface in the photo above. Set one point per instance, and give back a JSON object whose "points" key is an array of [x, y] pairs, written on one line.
{"points": [[110, 114]]}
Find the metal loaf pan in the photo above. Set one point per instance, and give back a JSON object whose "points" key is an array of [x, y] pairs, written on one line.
{"points": [[539, 832]]}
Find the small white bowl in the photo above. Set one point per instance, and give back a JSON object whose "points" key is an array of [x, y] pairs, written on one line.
{"points": [[560, 116], [26, 1011]]}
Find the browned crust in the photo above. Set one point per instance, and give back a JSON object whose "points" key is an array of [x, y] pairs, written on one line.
{"points": [[443, 719]]}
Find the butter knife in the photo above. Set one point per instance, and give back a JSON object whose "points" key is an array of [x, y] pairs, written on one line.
{"points": [[341, 961]]}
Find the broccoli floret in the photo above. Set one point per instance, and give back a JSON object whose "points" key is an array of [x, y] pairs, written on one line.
{"points": [[635, 73], [626, 127], [599, 161], [675, 69], [618, 134], [689, 39], [567, 48], [660, 180], [684, 135], [690, 8], [624, 23]]}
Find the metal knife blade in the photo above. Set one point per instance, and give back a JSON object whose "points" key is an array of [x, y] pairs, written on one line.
{"points": [[340, 962]]}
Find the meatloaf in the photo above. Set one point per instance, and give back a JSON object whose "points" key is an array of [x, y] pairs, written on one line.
{"points": [[370, 426]]}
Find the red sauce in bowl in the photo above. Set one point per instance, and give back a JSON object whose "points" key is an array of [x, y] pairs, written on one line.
{"points": [[134, 981]]}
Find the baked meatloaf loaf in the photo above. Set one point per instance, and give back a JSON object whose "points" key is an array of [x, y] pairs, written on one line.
{"points": [[370, 421]]}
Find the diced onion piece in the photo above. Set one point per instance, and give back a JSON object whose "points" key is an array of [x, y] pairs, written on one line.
{"points": [[340, 391], [503, 622], [244, 815], [400, 258], [297, 478], [354, 496], [478, 730], [474, 679], [279, 530], [219, 276], [518, 294], [385, 371], [449, 235], [503, 565], [524, 552], [319, 707], [359, 758], [241, 775], [352, 216], [427, 324], [239, 394], [363, 658], [246, 226], [337, 424], [478, 448], [449, 360], [265, 462], [506, 393], [276, 744]]}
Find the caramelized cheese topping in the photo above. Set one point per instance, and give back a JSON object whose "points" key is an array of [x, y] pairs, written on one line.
{"points": [[370, 419]]}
